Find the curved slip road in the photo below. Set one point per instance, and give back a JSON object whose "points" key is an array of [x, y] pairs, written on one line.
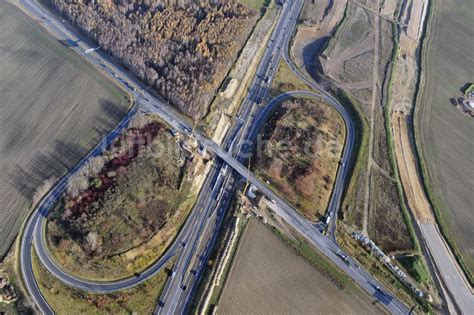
{"points": [[176, 121]]}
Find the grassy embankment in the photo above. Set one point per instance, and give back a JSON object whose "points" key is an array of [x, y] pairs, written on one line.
{"points": [[415, 267], [243, 69], [141, 299], [419, 270]]}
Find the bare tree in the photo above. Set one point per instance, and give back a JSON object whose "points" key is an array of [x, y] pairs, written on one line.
{"points": [[182, 48], [43, 189]]}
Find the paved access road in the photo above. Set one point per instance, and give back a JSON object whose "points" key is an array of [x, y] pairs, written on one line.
{"points": [[447, 266], [204, 222]]}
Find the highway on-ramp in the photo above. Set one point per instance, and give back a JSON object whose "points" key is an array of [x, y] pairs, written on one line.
{"points": [[203, 224]]}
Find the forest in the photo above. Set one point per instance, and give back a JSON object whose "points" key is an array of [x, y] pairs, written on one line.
{"points": [[182, 48]]}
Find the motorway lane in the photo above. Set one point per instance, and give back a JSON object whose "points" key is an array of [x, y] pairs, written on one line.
{"points": [[175, 119], [177, 301], [329, 248]]}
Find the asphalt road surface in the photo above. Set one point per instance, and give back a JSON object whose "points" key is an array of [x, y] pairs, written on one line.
{"points": [[204, 221]]}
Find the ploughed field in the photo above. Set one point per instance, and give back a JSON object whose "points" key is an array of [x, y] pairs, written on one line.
{"points": [[299, 152], [123, 208], [55, 108], [445, 132], [268, 277], [183, 49]]}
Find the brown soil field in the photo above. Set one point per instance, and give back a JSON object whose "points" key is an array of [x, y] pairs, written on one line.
{"points": [[319, 21], [55, 108], [444, 134], [302, 143], [268, 277], [408, 169], [348, 60]]}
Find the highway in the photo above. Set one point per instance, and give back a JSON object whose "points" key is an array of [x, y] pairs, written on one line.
{"points": [[193, 244]]}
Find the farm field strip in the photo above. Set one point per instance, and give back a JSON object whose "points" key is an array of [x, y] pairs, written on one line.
{"points": [[268, 277], [442, 132], [56, 108]]}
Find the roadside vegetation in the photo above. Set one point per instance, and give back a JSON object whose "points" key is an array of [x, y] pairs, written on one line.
{"points": [[55, 109], [414, 266], [235, 86], [285, 80], [123, 208], [381, 272], [302, 141], [63, 299], [183, 49]]}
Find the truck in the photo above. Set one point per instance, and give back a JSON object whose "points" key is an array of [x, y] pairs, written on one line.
{"points": [[328, 219]]}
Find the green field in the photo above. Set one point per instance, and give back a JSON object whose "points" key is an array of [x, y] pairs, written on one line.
{"points": [[55, 108], [444, 133]]}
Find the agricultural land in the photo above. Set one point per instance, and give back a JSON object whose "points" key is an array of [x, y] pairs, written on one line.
{"points": [[267, 276], [55, 108], [348, 49], [444, 133], [302, 142], [183, 49], [123, 208]]}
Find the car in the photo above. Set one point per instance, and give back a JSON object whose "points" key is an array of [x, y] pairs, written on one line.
{"points": [[161, 303], [183, 244], [173, 274], [184, 287], [193, 272], [136, 274]]}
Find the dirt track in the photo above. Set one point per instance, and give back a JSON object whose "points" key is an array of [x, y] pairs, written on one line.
{"points": [[408, 170]]}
